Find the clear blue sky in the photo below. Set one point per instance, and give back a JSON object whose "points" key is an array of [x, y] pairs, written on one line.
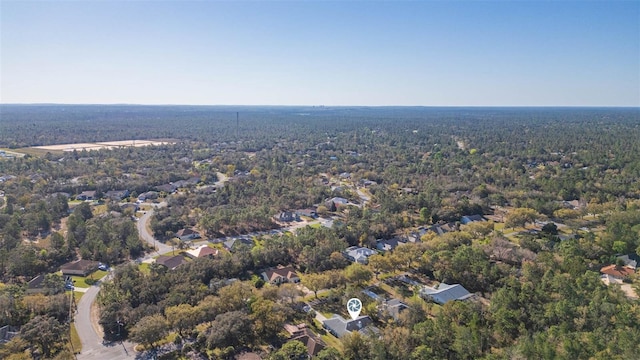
{"points": [[436, 53]]}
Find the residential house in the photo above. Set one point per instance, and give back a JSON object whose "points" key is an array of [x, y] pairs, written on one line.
{"points": [[134, 207], [630, 260], [37, 285], [171, 262], [53, 195], [573, 204], [367, 183], [441, 229], [117, 195], [79, 267], [86, 196], [394, 307], [339, 327], [202, 252], [192, 181], [167, 188], [445, 293], [407, 279], [149, 195], [287, 216], [388, 244], [471, 218], [617, 272], [280, 275], [187, 234], [358, 254], [233, 243], [308, 213], [339, 201], [303, 334]]}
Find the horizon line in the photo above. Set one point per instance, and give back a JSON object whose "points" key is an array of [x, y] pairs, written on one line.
{"points": [[325, 106]]}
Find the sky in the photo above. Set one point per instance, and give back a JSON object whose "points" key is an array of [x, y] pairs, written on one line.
{"points": [[373, 53]]}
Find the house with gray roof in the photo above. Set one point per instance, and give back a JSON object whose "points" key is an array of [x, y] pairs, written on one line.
{"points": [[388, 244], [338, 326], [467, 219], [394, 307], [86, 195], [187, 234], [630, 260], [358, 254], [233, 243], [441, 229], [171, 262], [117, 195], [79, 267], [445, 293]]}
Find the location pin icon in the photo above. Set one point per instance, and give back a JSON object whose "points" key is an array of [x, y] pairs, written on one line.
{"points": [[354, 306]]}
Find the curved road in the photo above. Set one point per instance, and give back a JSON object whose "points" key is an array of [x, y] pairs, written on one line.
{"points": [[146, 235], [93, 346]]}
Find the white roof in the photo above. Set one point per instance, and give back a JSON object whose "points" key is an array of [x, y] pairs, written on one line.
{"points": [[446, 292]]}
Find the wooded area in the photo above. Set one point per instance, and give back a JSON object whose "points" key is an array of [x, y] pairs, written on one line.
{"points": [[560, 188]]}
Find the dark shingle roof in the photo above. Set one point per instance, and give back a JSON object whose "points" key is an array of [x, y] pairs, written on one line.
{"points": [[339, 326], [171, 262]]}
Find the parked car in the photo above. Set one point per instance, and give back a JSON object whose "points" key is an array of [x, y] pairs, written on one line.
{"points": [[103, 267]]}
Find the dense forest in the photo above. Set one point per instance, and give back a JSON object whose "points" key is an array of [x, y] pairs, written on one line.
{"points": [[559, 186]]}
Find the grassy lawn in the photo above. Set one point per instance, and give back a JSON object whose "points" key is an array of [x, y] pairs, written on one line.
{"points": [[328, 339], [76, 295], [330, 307], [144, 268], [75, 339], [99, 209], [73, 203], [43, 243], [332, 341], [315, 226], [498, 226], [81, 281]]}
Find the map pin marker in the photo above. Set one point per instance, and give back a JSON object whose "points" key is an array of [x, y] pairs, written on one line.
{"points": [[354, 306]]}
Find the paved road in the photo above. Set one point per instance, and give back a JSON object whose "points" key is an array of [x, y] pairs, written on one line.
{"points": [[146, 235], [93, 347]]}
